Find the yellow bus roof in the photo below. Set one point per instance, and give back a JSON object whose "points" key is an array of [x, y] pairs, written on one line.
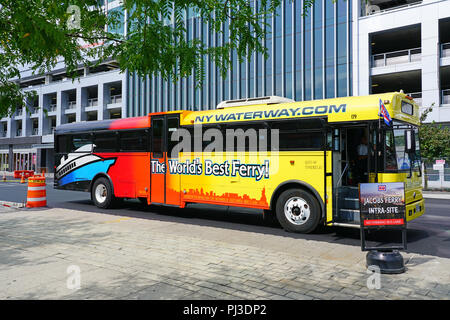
{"points": [[358, 108]]}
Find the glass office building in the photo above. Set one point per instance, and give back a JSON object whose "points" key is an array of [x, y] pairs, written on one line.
{"points": [[309, 57]]}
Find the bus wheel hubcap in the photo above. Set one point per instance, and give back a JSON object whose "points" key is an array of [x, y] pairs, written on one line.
{"points": [[297, 210], [100, 193]]}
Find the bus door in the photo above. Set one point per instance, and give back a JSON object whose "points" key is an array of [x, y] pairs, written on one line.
{"points": [[165, 187], [351, 166]]}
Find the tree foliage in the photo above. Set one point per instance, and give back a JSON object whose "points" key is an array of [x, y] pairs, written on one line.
{"points": [[39, 33], [434, 138]]}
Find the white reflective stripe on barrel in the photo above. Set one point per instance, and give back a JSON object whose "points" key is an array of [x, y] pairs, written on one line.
{"points": [[36, 188], [36, 199]]}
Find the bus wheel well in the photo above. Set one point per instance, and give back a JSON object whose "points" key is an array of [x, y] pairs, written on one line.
{"points": [[100, 175], [294, 185]]}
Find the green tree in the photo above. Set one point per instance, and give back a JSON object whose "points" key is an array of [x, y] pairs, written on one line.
{"points": [[434, 138], [38, 33]]}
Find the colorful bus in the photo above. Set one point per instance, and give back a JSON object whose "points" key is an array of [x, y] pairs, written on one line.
{"points": [[300, 162]]}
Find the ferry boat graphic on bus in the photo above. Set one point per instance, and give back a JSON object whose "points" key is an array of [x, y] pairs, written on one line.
{"points": [[78, 166]]}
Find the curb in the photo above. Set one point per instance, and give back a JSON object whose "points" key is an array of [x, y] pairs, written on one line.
{"points": [[436, 195], [10, 204]]}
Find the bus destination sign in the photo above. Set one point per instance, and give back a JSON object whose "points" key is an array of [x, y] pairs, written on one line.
{"points": [[382, 204]]}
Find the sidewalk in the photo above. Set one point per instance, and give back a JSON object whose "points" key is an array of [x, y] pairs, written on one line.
{"points": [[165, 257], [436, 195]]}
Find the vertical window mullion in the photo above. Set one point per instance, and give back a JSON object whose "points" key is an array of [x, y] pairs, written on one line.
{"points": [[293, 68], [348, 47], [335, 52], [273, 56], [324, 79], [283, 49], [206, 86], [313, 61], [263, 66], [147, 95], [302, 52]]}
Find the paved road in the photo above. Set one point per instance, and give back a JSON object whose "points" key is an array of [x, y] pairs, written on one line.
{"points": [[429, 234], [49, 253]]}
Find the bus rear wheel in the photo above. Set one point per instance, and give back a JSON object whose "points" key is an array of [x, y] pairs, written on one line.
{"points": [[102, 193], [298, 211]]}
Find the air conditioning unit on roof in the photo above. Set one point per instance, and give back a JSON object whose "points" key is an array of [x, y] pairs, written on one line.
{"points": [[253, 101]]}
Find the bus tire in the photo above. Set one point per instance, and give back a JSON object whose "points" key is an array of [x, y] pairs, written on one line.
{"points": [[102, 194], [298, 211]]}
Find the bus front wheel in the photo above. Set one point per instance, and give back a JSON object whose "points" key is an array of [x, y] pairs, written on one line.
{"points": [[298, 211], [102, 194]]}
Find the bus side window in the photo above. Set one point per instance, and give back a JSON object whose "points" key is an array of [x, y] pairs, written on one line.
{"points": [[299, 135], [134, 141], [172, 127], [63, 144], [211, 140], [105, 142], [81, 142], [250, 137], [389, 151], [197, 143], [157, 137]]}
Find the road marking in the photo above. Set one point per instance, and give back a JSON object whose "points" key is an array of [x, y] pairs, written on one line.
{"points": [[431, 216], [11, 184], [117, 220]]}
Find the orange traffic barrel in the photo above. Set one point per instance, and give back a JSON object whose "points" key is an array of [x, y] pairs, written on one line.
{"points": [[37, 195]]}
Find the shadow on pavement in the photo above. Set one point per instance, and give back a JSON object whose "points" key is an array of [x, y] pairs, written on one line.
{"points": [[243, 219]]}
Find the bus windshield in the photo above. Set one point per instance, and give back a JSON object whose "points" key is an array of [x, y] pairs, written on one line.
{"points": [[396, 157]]}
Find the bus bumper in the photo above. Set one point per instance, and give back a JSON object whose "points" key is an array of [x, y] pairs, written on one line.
{"points": [[415, 209]]}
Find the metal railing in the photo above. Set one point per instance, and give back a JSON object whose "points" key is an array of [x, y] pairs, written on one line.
{"points": [[436, 178], [445, 96], [18, 132], [35, 131], [368, 9], [71, 105], [445, 50], [93, 102], [396, 57], [19, 112], [417, 96], [52, 107], [116, 98]]}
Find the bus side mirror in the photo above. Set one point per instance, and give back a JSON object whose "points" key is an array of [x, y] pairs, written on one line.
{"points": [[410, 141]]}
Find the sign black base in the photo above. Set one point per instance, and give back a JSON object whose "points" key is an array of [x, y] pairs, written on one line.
{"points": [[390, 262], [382, 205]]}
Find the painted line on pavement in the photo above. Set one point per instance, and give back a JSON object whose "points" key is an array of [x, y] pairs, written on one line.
{"points": [[117, 220]]}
